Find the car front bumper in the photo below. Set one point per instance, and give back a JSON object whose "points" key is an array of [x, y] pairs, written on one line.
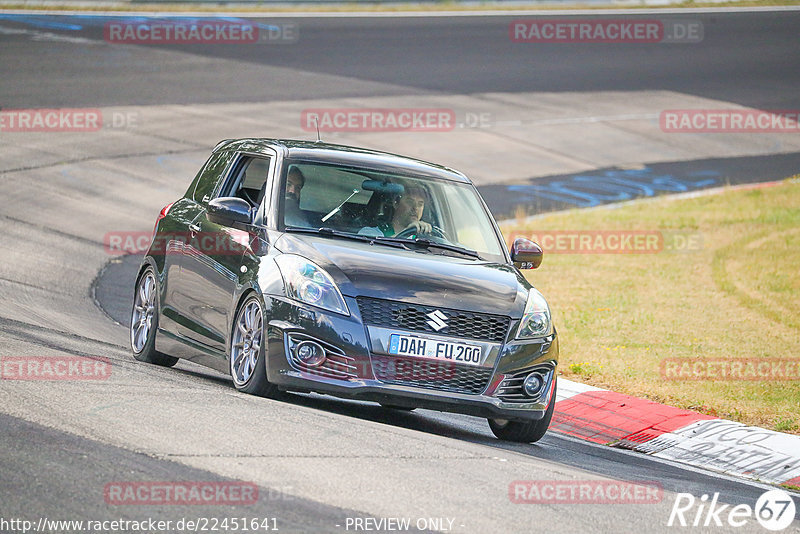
{"points": [[354, 372]]}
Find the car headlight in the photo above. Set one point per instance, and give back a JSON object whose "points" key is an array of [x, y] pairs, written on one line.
{"points": [[308, 282], [536, 319]]}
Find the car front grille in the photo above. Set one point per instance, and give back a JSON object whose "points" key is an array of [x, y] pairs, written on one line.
{"points": [[431, 374], [414, 317]]}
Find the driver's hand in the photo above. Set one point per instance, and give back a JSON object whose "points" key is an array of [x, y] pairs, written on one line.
{"points": [[420, 226]]}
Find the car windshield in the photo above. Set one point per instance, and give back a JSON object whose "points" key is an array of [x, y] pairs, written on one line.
{"points": [[435, 215]]}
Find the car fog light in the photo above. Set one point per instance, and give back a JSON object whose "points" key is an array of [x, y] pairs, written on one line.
{"points": [[310, 353], [533, 385]]}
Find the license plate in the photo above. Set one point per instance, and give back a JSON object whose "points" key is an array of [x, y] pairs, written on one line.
{"points": [[419, 347]]}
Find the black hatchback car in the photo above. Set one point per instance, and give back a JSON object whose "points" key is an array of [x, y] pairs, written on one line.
{"points": [[311, 267]]}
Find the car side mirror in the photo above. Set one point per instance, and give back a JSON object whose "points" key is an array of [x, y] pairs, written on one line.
{"points": [[526, 254], [229, 210]]}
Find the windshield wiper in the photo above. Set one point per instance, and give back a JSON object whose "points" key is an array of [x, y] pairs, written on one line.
{"points": [[428, 244], [388, 241], [327, 231], [335, 210]]}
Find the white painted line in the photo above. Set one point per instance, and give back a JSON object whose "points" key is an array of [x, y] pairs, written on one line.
{"points": [[568, 388], [673, 463], [731, 447], [46, 36], [719, 446], [668, 196], [600, 118]]}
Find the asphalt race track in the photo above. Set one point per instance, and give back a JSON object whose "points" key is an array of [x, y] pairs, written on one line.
{"points": [[319, 464], [746, 58]]}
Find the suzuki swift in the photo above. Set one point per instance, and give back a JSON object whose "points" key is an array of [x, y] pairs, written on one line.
{"points": [[311, 267]]}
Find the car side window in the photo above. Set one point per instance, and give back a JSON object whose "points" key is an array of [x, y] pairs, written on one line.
{"points": [[210, 176], [247, 180]]}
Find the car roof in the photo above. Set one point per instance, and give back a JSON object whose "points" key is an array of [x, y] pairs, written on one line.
{"points": [[345, 155]]}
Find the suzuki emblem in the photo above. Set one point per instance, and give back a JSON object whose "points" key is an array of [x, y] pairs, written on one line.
{"points": [[437, 320]]}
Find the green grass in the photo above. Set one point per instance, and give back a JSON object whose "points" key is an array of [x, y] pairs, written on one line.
{"points": [[786, 425], [736, 294]]}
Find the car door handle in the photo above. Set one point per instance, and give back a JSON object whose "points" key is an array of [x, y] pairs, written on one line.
{"points": [[193, 228]]}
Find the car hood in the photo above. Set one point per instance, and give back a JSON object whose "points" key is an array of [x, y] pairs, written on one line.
{"points": [[416, 276]]}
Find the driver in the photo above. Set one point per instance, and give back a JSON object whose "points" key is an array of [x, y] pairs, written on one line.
{"points": [[408, 209]]}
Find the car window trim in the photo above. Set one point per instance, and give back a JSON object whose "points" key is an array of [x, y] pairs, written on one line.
{"points": [[225, 153], [238, 156], [200, 174]]}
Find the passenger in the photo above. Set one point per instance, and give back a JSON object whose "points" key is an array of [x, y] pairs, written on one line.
{"points": [[292, 214]]}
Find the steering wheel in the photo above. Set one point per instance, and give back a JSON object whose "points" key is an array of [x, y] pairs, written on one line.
{"points": [[435, 232]]}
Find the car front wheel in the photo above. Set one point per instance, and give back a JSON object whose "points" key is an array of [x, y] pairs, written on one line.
{"points": [[144, 322], [248, 351], [524, 431]]}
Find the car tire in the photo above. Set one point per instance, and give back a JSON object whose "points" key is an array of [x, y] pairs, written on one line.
{"points": [[144, 321], [524, 431], [248, 353]]}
